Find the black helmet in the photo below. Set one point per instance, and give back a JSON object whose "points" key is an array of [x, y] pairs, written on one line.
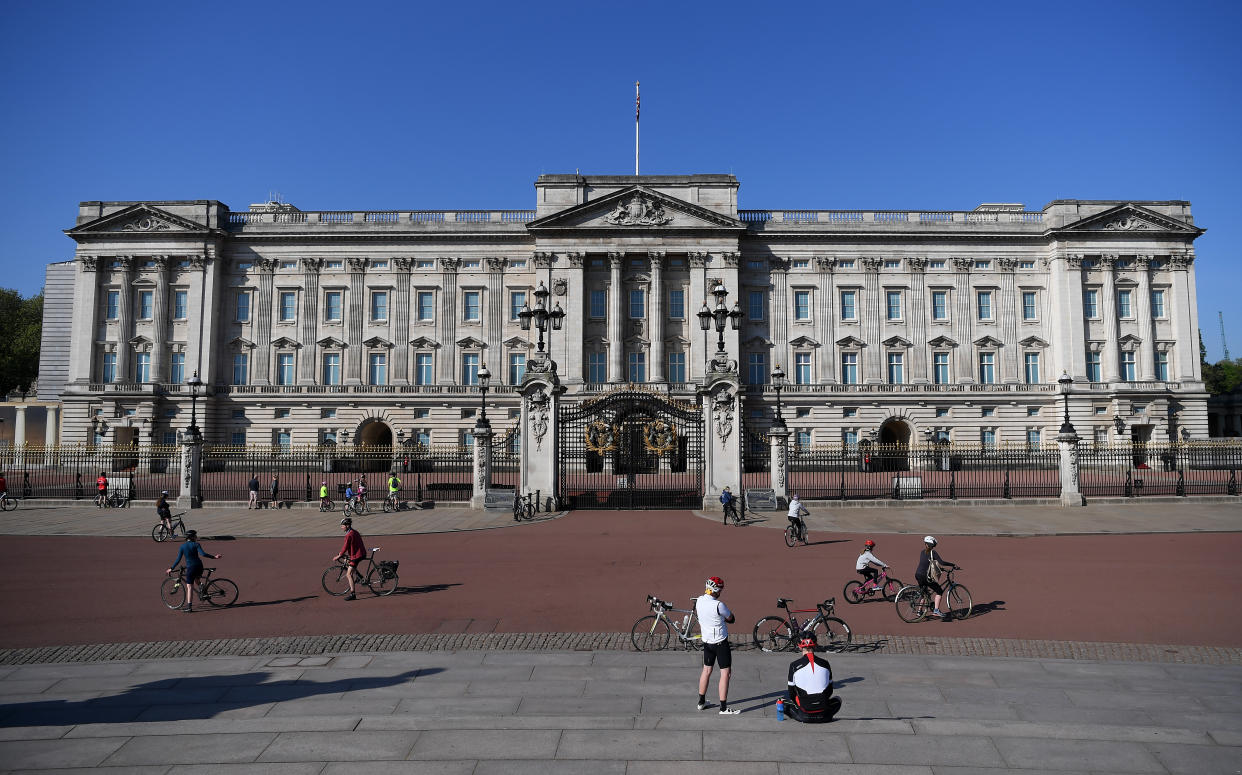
{"points": [[347, 521], [191, 535]]}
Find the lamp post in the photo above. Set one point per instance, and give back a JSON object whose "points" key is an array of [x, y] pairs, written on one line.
{"points": [[1065, 381], [543, 318], [720, 316], [778, 383], [485, 378], [195, 383]]}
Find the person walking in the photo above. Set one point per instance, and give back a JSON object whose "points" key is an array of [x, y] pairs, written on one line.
{"points": [[191, 553], [810, 686], [101, 490], [275, 490], [254, 492], [729, 501], [928, 572], [353, 552], [714, 618]]}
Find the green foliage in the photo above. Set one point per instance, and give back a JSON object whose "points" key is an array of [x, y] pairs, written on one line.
{"points": [[1224, 376], [21, 328]]}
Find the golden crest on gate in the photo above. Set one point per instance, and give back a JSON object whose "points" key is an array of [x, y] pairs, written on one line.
{"points": [[601, 437], [659, 437]]}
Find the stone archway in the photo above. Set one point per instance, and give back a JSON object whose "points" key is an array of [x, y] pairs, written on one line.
{"points": [[893, 452], [373, 446], [894, 431], [373, 434]]}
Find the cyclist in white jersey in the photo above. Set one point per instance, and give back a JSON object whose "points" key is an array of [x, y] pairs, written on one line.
{"points": [[796, 510], [714, 618]]}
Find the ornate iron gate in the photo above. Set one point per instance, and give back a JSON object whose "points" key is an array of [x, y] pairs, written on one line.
{"points": [[630, 449]]}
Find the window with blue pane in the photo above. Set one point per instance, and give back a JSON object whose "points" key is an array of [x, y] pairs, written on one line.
{"points": [[1157, 304], [849, 368], [757, 368], [754, 305], [987, 437], [1128, 371], [802, 368], [426, 305], [145, 305], [470, 306], [638, 304], [848, 310], [896, 368], [940, 305], [984, 299], [238, 438], [377, 369], [112, 307], [142, 367], [803, 439], [1124, 309], [379, 305], [599, 304], [802, 305], [1032, 437], [422, 437], [987, 368], [517, 300], [940, 368], [109, 367], [676, 367], [892, 301], [332, 368], [849, 438], [1091, 303], [470, 369], [243, 307], [241, 368], [597, 367], [284, 369], [1093, 367], [422, 369], [1030, 368], [638, 367], [176, 369], [1028, 305], [180, 305], [284, 440], [1162, 366], [677, 304], [332, 305], [517, 367], [288, 306]]}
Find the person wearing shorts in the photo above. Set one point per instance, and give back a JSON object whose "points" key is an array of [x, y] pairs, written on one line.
{"points": [[925, 575], [714, 618], [191, 554], [353, 551]]}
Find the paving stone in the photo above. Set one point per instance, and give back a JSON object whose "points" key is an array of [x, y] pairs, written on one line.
{"points": [[55, 714], [278, 693], [189, 749], [1101, 732], [410, 689], [630, 745], [1226, 736], [27, 687], [211, 726], [1029, 695], [50, 754], [350, 746], [157, 769], [486, 744], [1197, 760], [562, 658], [1068, 715], [179, 712], [458, 767], [1091, 755], [616, 706], [491, 706], [588, 673], [458, 723], [34, 733], [526, 688], [249, 678], [913, 749], [949, 710], [266, 768], [335, 707], [705, 768], [552, 767], [1134, 700]]}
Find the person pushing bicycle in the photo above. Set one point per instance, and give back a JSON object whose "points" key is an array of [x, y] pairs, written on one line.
{"points": [[729, 501], [867, 563], [191, 553], [796, 512], [926, 574], [323, 496], [394, 487]]}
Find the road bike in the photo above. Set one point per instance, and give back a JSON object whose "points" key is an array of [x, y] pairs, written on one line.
{"points": [[7, 502], [915, 604], [883, 585], [380, 577], [218, 593], [797, 532], [652, 633], [777, 633], [160, 533], [115, 500], [523, 508]]}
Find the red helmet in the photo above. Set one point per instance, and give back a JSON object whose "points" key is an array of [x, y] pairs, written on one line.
{"points": [[808, 641], [715, 584], [869, 543]]}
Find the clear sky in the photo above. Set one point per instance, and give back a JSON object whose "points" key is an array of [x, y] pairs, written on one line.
{"points": [[825, 105]]}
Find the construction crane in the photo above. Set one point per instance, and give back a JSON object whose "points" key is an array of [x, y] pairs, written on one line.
{"points": [[1224, 344]]}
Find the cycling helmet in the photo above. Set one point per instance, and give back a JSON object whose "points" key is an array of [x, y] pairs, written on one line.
{"points": [[931, 540], [347, 521], [323, 482], [191, 535], [715, 584], [808, 641], [163, 492]]}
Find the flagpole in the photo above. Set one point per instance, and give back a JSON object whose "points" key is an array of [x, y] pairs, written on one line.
{"points": [[636, 112]]}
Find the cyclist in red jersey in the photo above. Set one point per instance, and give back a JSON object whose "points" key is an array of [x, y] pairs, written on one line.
{"points": [[353, 551], [101, 490]]}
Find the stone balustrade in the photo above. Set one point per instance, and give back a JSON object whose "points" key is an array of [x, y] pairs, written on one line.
{"points": [[303, 218], [890, 217]]}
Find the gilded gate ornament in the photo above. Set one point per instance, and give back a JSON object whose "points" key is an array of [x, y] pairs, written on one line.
{"points": [[600, 437], [659, 437]]}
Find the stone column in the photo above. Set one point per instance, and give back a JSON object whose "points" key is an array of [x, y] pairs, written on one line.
{"points": [[401, 322], [778, 313], [159, 310], [575, 314], [698, 354], [919, 353], [1011, 372], [495, 319], [1070, 495], [655, 317], [1108, 311], [51, 430], [540, 464], [1146, 353], [446, 321], [722, 417], [19, 437], [482, 465], [871, 368], [204, 338], [1180, 305], [308, 321], [125, 329], [353, 325], [780, 463], [261, 373], [82, 361], [190, 496], [963, 314], [1069, 333], [616, 347], [826, 313]]}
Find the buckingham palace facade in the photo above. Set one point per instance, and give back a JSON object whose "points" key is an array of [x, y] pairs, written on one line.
{"points": [[311, 327]]}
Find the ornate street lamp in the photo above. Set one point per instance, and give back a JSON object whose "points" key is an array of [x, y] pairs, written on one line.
{"points": [[195, 383], [485, 379], [544, 319], [778, 382], [1065, 381], [720, 316]]}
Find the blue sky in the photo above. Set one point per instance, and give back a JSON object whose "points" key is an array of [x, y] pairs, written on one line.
{"points": [[373, 105]]}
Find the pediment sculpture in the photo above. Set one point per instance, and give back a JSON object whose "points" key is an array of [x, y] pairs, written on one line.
{"points": [[638, 210]]}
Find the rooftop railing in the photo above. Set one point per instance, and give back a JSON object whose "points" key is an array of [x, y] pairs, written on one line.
{"points": [[937, 217], [382, 216]]}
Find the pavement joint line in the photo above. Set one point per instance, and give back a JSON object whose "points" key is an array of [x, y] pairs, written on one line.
{"points": [[313, 645]]}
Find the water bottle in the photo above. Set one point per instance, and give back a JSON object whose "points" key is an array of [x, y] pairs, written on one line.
{"points": [[685, 623], [780, 710]]}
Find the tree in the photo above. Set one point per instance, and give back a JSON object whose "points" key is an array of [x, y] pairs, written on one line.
{"points": [[21, 329]]}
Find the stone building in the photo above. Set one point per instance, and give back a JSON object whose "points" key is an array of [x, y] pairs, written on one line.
{"points": [[370, 327]]}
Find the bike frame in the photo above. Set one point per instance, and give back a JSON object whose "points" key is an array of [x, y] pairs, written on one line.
{"points": [[661, 608], [876, 585]]}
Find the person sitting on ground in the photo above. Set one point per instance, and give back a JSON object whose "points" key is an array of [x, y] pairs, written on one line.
{"points": [[928, 571], [867, 563], [162, 509], [810, 686], [729, 501]]}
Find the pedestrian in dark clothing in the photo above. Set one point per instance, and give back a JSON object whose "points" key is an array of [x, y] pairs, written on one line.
{"points": [[254, 492], [275, 491]]}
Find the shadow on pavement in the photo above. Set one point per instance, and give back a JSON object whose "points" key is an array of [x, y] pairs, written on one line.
{"points": [[256, 603], [424, 589]]}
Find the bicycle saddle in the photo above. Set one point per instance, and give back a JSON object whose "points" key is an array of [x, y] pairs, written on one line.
{"points": [[782, 602]]}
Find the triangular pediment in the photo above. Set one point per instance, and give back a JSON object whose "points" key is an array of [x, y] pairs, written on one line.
{"points": [[285, 341], [988, 341], [517, 343], [757, 341], [636, 208], [680, 341], [851, 341], [424, 343], [803, 341], [331, 341], [636, 341], [1129, 339], [896, 341], [471, 343], [942, 341], [1127, 218], [241, 343], [1033, 341], [139, 340], [377, 341], [140, 219]]}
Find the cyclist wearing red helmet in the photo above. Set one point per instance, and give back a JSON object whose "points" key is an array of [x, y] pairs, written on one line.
{"points": [[867, 562], [810, 686], [714, 616]]}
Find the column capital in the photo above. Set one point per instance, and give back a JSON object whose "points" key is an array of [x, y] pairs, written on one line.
{"points": [[126, 262], [266, 265], [1108, 261], [657, 258], [731, 258], [697, 260], [449, 263], [357, 265], [88, 263], [1180, 262], [872, 263], [917, 263], [202, 261], [576, 260], [826, 263], [1007, 264], [311, 265], [1142, 263], [963, 264], [544, 259], [497, 264], [403, 264], [616, 258], [778, 264]]}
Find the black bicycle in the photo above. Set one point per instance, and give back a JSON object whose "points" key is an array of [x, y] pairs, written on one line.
{"points": [[778, 633], [523, 507], [380, 577], [161, 533], [215, 592], [730, 512]]}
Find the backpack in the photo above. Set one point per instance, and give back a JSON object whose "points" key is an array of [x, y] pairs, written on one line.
{"points": [[933, 568]]}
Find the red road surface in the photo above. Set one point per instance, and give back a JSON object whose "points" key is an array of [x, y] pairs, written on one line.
{"points": [[591, 571]]}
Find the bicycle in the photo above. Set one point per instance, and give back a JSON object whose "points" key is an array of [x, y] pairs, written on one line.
{"points": [[7, 502], [326, 504], [857, 591], [730, 510], [115, 500], [523, 508], [219, 593], [379, 577], [915, 604], [652, 633], [392, 502], [797, 532], [355, 506], [776, 633], [160, 533]]}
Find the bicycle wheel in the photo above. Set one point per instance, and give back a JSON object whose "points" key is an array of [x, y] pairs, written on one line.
{"points": [[220, 593], [958, 599], [650, 633], [790, 538], [912, 605], [380, 584], [348, 509], [890, 590], [8, 503], [172, 593], [387, 505], [806, 535], [334, 580], [159, 533], [853, 592], [772, 633], [832, 633]]}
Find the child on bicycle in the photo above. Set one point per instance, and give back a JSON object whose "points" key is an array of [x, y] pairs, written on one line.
{"points": [[930, 563], [323, 496], [796, 510], [361, 495], [867, 563], [163, 510], [350, 494]]}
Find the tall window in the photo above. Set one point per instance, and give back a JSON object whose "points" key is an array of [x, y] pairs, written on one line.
{"points": [[517, 300], [109, 367], [892, 303], [379, 306], [803, 439], [1091, 303], [676, 367], [638, 367], [470, 369], [377, 369], [288, 306], [1028, 305], [802, 368], [849, 368], [332, 305], [597, 367], [238, 438], [599, 304], [332, 368], [176, 370], [517, 367], [677, 304], [1127, 367], [112, 307], [984, 304], [896, 368], [1032, 437], [142, 367], [1124, 309], [940, 368], [1030, 367], [243, 306], [1093, 367], [757, 368], [284, 440], [849, 438], [987, 368], [802, 305], [284, 369], [940, 305], [987, 437], [1162, 366], [638, 303], [180, 305], [241, 368], [848, 310], [1157, 304], [422, 369], [470, 307], [426, 305], [754, 305]]}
